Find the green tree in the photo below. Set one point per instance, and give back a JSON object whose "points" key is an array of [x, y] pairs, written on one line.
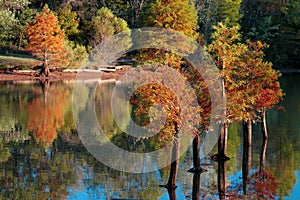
{"points": [[275, 23], [230, 11], [7, 23], [24, 16], [177, 15], [210, 12], [69, 22], [289, 36], [10, 20], [76, 54], [120, 8], [104, 25]]}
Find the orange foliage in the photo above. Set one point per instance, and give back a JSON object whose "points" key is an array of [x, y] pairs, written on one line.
{"points": [[174, 98], [262, 185], [46, 38], [154, 94], [250, 82], [46, 115]]}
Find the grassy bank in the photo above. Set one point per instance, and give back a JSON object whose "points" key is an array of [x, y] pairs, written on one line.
{"points": [[18, 61]]}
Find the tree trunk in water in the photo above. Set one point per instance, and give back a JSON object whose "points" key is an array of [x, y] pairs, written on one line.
{"points": [[196, 152], [196, 187], [45, 88], [171, 185], [172, 194], [196, 156], [222, 179], [246, 166], [263, 156], [45, 68], [264, 123], [222, 142]]}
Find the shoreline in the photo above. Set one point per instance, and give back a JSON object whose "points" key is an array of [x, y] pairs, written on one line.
{"points": [[61, 76], [18, 77]]}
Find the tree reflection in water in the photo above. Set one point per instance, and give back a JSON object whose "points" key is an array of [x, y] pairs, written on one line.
{"points": [[46, 113], [262, 184], [63, 168]]}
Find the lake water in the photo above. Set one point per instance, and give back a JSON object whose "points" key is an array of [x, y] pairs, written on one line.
{"points": [[42, 157]]}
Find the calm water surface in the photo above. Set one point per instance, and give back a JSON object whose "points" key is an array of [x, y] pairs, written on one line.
{"points": [[42, 157]]}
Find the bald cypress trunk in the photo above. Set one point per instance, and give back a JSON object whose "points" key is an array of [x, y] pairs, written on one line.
{"points": [[263, 156], [246, 165], [222, 147], [171, 185], [222, 179], [196, 187], [45, 68], [264, 123]]}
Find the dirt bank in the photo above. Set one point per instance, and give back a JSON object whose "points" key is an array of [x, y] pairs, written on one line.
{"points": [[61, 76]]}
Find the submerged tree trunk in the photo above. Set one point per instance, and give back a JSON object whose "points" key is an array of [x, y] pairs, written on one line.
{"points": [[172, 194], [171, 185], [196, 156], [45, 84], [222, 179], [246, 165], [247, 130], [264, 123], [222, 142], [222, 151], [222, 148], [263, 156], [222, 145], [196, 187], [196, 152]]}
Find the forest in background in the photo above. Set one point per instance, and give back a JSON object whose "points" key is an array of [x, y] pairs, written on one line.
{"points": [[87, 23]]}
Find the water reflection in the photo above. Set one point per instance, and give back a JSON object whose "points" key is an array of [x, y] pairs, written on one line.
{"points": [[42, 157], [262, 183], [46, 112]]}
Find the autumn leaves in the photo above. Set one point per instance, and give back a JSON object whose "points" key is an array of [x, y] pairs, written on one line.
{"points": [[46, 40]]}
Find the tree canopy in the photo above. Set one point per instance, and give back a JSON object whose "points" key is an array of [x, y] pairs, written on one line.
{"points": [[46, 40]]}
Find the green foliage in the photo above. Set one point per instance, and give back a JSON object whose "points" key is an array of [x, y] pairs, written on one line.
{"points": [[288, 43], [177, 15], [265, 30], [226, 50], [76, 54], [230, 11], [12, 20], [210, 12], [120, 8], [276, 23], [68, 21], [104, 25], [26, 15], [7, 24], [273, 22]]}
